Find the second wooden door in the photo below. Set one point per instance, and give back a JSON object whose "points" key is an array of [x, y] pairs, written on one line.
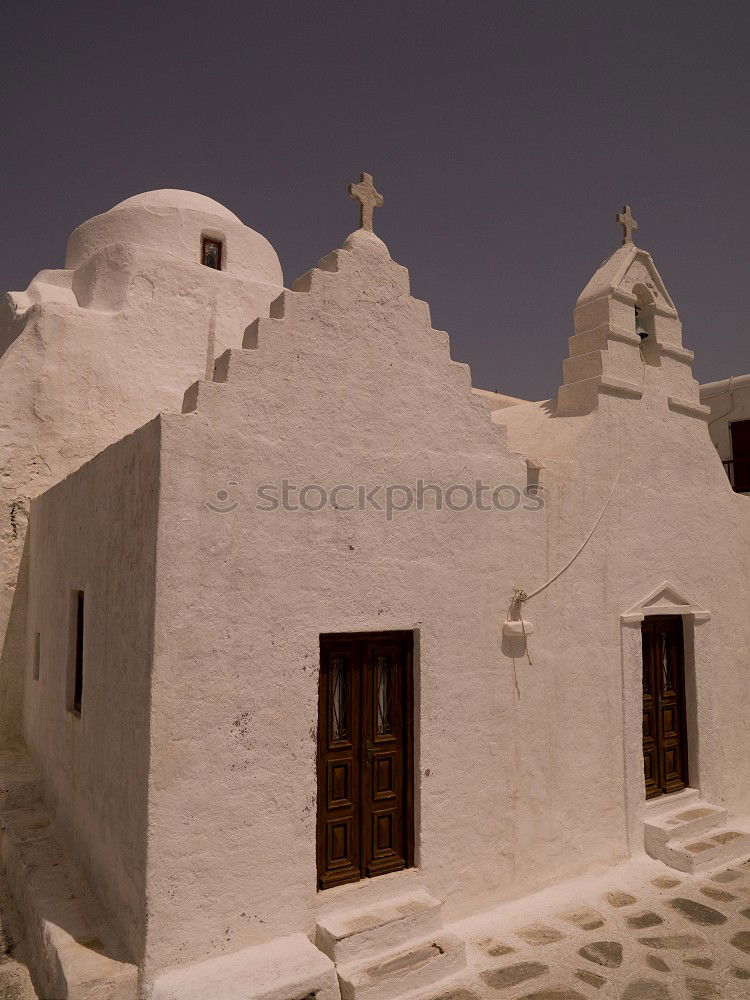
{"points": [[364, 756], [664, 724]]}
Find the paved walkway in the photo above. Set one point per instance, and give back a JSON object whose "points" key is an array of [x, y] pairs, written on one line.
{"points": [[640, 932]]}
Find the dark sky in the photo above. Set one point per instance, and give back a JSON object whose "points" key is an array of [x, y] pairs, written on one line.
{"points": [[504, 137]]}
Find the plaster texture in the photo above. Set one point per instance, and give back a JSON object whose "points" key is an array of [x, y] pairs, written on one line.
{"points": [[190, 777], [92, 351]]}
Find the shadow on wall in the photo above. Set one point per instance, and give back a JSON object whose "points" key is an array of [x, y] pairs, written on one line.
{"points": [[13, 655]]}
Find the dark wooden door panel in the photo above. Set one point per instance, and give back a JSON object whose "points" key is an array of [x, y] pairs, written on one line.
{"points": [[673, 768], [650, 724], [341, 854], [340, 784], [386, 836], [664, 724], [740, 432], [338, 765], [365, 732], [385, 776], [651, 772], [385, 705]]}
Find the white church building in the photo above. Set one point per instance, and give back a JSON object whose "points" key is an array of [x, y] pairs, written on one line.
{"points": [[311, 650]]}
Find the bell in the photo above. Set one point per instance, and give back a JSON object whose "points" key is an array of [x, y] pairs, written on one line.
{"points": [[639, 325]]}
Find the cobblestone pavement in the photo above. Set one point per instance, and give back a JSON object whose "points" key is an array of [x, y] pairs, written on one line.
{"points": [[641, 932]]}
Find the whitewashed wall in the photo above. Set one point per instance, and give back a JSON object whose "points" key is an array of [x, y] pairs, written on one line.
{"points": [[96, 532], [91, 352]]}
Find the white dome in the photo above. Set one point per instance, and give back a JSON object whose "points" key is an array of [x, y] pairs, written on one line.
{"points": [[167, 199], [172, 224]]}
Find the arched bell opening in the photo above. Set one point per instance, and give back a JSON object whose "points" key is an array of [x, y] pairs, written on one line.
{"points": [[645, 326]]}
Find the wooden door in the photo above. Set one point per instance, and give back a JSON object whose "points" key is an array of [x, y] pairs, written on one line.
{"points": [[740, 431], [365, 750], [664, 724]]}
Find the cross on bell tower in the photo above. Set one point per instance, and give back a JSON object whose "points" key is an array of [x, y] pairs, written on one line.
{"points": [[369, 199], [628, 223]]}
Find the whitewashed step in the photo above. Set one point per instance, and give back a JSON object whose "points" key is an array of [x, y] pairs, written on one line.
{"points": [[459, 986], [680, 824], [353, 935], [74, 953], [416, 966], [289, 968], [715, 846], [673, 802]]}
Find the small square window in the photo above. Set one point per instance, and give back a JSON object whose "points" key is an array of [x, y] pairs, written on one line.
{"points": [[78, 653], [211, 253]]}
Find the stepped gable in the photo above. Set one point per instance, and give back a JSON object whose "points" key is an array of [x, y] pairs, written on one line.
{"points": [[348, 334]]}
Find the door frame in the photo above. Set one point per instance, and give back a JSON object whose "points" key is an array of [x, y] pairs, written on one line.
{"points": [[704, 751], [409, 762]]}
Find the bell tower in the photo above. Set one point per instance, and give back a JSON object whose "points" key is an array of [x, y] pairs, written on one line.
{"points": [[628, 337]]}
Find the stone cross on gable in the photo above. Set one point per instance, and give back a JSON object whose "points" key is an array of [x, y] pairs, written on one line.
{"points": [[628, 223], [369, 199]]}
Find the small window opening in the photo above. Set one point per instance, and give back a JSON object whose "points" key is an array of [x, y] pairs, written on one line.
{"points": [[37, 655], [211, 253], [78, 676]]}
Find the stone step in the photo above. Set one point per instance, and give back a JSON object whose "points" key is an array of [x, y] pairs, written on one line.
{"points": [[288, 968], [72, 951], [718, 845], [673, 802], [353, 935], [398, 974], [15, 983], [459, 985], [681, 824], [15, 980]]}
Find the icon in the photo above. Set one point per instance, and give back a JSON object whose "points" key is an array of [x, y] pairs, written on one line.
{"points": [[223, 496]]}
